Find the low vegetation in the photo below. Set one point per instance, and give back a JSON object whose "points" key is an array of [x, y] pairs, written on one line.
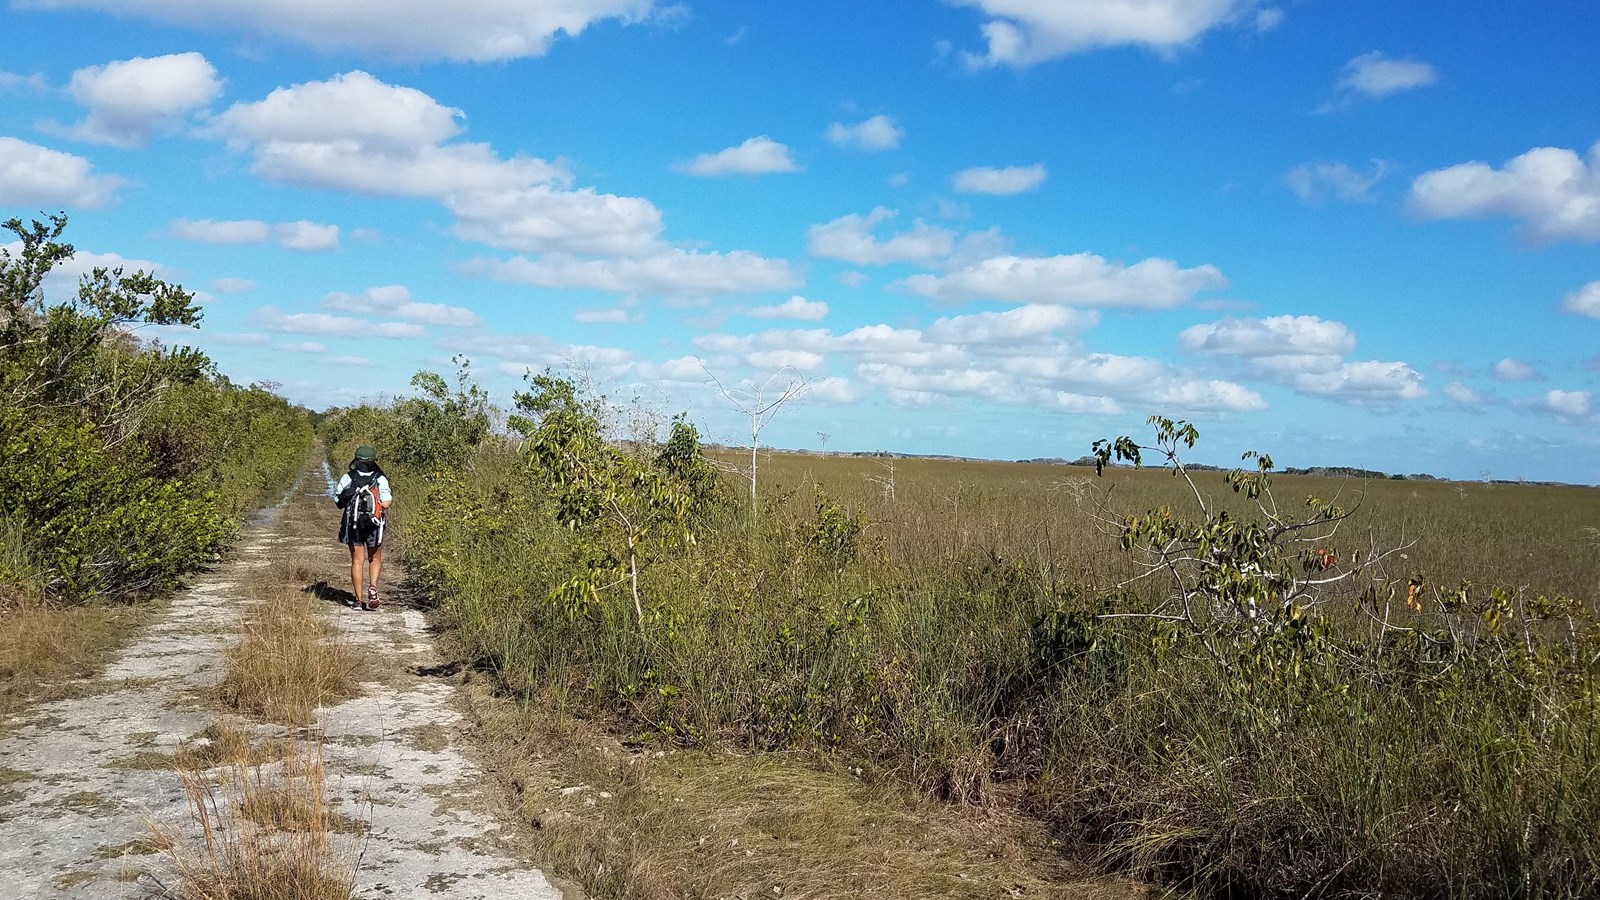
{"points": [[127, 463], [257, 831], [1203, 679], [289, 662]]}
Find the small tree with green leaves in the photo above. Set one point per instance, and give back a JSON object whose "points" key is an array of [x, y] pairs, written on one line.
{"points": [[624, 510], [439, 427], [1241, 587]]}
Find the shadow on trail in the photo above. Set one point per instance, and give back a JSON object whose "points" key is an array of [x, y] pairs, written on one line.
{"points": [[325, 591]]}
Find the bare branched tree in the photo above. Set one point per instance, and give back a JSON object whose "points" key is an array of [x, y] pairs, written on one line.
{"points": [[761, 402]]}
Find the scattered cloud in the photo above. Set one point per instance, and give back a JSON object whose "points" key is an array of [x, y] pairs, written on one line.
{"points": [[395, 300], [304, 347], [1312, 182], [350, 362], [614, 315], [1564, 405], [1462, 394], [301, 235], [756, 156], [1306, 353], [876, 134], [324, 325], [232, 285], [1364, 383], [851, 239], [1026, 32], [1080, 279], [1553, 192], [1001, 182], [466, 30], [541, 219], [34, 83], [1374, 75], [31, 175], [1512, 369], [130, 101], [355, 133], [1290, 343], [1584, 301], [794, 308], [671, 271], [1023, 356]]}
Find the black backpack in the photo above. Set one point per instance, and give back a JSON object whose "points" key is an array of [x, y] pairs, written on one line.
{"points": [[360, 499]]}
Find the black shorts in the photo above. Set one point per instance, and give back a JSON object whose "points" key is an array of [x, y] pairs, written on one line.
{"points": [[354, 535]]}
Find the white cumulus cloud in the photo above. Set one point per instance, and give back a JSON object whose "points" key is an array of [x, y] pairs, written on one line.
{"points": [[301, 235], [31, 175], [1026, 32], [1552, 191], [1080, 279], [1462, 394], [324, 325], [794, 308], [671, 271], [464, 30], [131, 100], [1364, 383], [756, 156], [1377, 76], [1276, 336], [1584, 301], [1565, 404], [851, 238], [1513, 369], [1003, 182], [395, 300], [1307, 353], [872, 136]]}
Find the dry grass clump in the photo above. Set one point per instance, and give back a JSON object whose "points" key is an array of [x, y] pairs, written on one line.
{"points": [[287, 663], [690, 824], [258, 832], [42, 646]]}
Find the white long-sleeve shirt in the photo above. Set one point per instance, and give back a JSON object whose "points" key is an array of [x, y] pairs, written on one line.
{"points": [[384, 496]]}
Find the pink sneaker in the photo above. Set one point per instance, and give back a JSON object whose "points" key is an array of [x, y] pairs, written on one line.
{"points": [[373, 600]]}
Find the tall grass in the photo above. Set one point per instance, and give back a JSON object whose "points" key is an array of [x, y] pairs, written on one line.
{"points": [[959, 646]]}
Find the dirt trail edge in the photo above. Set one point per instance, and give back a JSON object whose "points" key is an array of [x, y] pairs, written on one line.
{"points": [[82, 778]]}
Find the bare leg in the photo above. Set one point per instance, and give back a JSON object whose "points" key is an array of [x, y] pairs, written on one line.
{"points": [[355, 574], [374, 564]]}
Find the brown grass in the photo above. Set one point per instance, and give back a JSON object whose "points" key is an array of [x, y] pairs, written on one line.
{"points": [[287, 663], [258, 832], [43, 647], [686, 824]]}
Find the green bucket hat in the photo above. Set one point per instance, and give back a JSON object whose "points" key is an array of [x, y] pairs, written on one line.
{"points": [[366, 451]]}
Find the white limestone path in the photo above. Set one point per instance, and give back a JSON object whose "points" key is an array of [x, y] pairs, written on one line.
{"points": [[81, 778]]}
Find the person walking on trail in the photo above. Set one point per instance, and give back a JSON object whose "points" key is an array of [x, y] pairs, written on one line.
{"points": [[363, 493]]}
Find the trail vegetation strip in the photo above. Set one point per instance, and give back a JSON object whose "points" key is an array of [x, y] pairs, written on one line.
{"points": [[627, 824], [288, 662], [43, 647]]}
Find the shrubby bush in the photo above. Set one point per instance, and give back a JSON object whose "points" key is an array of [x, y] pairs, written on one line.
{"points": [[126, 463]]}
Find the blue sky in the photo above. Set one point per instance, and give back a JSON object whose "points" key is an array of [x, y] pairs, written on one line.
{"points": [[1351, 233]]}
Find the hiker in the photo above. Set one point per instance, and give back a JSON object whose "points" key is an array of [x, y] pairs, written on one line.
{"points": [[363, 494]]}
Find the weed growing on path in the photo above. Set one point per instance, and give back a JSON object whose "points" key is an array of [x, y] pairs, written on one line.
{"points": [[287, 663], [258, 832]]}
